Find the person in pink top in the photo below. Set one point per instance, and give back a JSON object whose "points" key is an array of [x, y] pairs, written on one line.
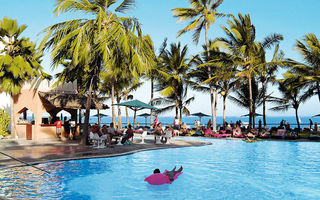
{"points": [[156, 121], [58, 124]]}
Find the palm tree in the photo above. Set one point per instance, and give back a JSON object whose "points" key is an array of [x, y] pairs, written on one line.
{"points": [[245, 52], [309, 70], [173, 75], [202, 13], [153, 72], [94, 44], [241, 97], [293, 95], [19, 60], [267, 74]]}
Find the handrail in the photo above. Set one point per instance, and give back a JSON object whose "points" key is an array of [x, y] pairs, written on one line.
{"points": [[24, 162]]}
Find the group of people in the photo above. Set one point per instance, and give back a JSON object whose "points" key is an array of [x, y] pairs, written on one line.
{"points": [[69, 127], [110, 131]]}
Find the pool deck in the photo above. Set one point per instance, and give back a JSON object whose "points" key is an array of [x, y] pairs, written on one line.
{"points": [[54, 150]]}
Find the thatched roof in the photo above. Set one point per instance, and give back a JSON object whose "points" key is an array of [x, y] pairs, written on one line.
{"points": [[69, 101]]}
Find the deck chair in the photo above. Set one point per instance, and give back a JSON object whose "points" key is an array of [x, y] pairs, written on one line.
{"points": [[237, 133], [281, 133]]}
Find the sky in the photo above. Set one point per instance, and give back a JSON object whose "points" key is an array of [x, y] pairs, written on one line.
{"points": [[291, 18]]}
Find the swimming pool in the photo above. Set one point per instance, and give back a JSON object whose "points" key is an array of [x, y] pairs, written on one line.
{"points": [[227, 169]]}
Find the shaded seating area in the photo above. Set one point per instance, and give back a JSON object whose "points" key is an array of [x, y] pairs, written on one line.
{"points": [[40, 97]]}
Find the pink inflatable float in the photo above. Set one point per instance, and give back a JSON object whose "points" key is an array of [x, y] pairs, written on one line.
{"points": [[160, 179]]}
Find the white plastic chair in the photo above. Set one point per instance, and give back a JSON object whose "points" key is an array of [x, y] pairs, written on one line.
{"points": [[168, 135], [95, 140], [143, 135], [158, 139], [91, 137]]}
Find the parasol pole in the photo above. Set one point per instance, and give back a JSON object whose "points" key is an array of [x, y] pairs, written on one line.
{"points": [[134, 118]]}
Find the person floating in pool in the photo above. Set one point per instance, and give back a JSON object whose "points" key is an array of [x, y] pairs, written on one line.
{"points": [[171, 173]]}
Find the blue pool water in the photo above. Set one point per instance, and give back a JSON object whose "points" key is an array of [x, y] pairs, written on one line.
{"points": [[227, 169]]}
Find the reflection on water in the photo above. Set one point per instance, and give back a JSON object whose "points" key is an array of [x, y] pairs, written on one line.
{"points": [[225, 170]]}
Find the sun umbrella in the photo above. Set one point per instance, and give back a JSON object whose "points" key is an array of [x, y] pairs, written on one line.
{"points": [[100, 115], [256, 115], [200, 115], [136, 105], [145, 115]]}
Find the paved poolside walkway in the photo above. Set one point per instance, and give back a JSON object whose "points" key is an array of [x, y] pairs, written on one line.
{"points": [[53, 150]]}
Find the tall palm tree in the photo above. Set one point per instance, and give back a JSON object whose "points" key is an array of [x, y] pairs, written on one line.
{"points": [[293, 95], [203, 13], [241, 97], [240, 41], [173, 75], [267, 74], [309, 70], [19, 60], [92, 44], [153, 72]]}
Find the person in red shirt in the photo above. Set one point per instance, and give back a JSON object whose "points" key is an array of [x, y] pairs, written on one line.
{"points": [[58, 124]]}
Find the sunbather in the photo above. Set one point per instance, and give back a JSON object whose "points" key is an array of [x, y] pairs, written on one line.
{"points": [[171, 173]]}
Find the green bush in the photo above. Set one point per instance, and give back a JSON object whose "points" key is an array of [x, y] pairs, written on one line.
{"points": [[4, 123]]}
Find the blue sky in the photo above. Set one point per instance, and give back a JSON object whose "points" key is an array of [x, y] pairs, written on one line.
{"points": [[293, 19]]}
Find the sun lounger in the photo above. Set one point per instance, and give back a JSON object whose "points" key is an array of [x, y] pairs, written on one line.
{"points": [[208, 132], [314, 137], [280, 133], [265, 134], [237, 133], [198, 133]]}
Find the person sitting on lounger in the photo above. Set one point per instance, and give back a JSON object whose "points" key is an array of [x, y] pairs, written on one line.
{"points": [[184, 129], [158, 131], [171, 173], [110, 132], [128, 135]]}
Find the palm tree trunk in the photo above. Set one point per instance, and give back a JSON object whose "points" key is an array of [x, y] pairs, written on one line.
{"points": [[151, 103], [99, 119], [180, 110], [126, 109], [177, 102], [253, 115], [84, 138], [119, 111], [224, 111], [112, 102], [214, 124], [250, 101], [264, 105], [211, 88], [13, 120], [318, 88], [297, 118]]}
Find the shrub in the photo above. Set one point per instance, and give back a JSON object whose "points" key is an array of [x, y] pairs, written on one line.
{"points": [[4, 123]]}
